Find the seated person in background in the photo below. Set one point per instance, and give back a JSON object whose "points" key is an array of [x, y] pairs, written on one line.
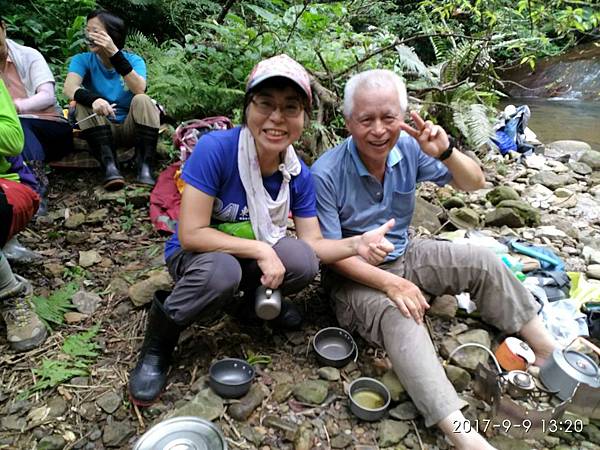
{"points": [[373, 174], [18, 203], [248, 177], [30, 83], [110, 83]]}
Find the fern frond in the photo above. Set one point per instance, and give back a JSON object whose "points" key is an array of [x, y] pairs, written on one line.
{"points": [[408, 61], [52, 309], [473, 122], [80, 345]]}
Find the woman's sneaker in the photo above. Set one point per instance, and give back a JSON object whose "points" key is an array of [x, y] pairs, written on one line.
{"points": [[24, 330]]}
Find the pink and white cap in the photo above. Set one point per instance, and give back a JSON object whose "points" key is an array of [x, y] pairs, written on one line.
{"points": [[280, 66]]}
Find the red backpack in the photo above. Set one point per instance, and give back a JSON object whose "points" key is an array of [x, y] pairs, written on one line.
{"points": [[187, 133]]}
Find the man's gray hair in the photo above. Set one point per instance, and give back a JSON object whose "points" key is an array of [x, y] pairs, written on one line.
{"points": [[373, 79]]}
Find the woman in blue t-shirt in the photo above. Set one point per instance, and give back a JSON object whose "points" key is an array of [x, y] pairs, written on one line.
{"points": [[240, 186], [108, 85]]}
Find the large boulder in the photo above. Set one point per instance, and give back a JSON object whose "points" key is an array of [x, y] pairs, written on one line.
{"points": [[569, 147]]}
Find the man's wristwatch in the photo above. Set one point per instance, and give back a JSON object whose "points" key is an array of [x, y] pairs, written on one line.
{"points": [[446, 153]]}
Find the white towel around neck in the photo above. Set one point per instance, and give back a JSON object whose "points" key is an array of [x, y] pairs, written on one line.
{"points": [[267, 216]]}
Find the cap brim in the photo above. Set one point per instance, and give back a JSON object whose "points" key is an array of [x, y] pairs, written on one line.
{"points": [[256, 81]]}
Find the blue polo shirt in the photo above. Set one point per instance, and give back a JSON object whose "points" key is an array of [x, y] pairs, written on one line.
{"points": [[351, 201], [213, 169], [107, 82]]}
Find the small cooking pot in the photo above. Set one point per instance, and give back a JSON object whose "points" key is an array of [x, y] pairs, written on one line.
{"points": [[371, 387], [566, 369], [334, 347], [230, 377]]}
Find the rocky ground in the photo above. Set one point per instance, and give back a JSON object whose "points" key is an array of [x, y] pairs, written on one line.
{"points": [[103, 246]]}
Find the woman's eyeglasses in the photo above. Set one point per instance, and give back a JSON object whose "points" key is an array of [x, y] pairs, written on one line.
{"points": [[266, 107]]}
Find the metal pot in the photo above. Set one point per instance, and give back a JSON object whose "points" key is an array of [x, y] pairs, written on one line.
{"points": [[267, 303], [182, 433], [519, 383], [231, 377], [334, 347], [566, 369], [372, 387]]}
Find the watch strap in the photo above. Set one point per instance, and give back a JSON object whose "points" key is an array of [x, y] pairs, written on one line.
{"points": [[446, 153]]}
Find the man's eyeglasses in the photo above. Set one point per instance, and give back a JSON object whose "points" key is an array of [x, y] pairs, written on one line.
{"points": [[266, 107]]}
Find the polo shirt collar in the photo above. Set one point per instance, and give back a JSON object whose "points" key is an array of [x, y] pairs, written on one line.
{"points": [[394, 157]]}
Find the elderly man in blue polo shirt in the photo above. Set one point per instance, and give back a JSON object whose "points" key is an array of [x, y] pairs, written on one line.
{"points": [[371, 177]]}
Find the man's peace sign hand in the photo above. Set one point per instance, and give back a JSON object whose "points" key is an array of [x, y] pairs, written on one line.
{"points": [[432, 138]]}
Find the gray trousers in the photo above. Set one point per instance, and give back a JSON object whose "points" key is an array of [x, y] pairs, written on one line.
{"points": [[206, 282], [142, 111], [437, 267]]}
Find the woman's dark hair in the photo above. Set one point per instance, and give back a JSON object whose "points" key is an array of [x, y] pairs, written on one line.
{"points": [[277, 83], [115, 26]]}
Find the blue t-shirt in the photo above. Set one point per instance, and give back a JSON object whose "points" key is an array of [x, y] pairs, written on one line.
{"points": [[107, 82], [213, 169], [351, 201]]}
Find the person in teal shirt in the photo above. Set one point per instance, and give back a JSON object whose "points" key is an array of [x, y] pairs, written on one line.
{"points": [[18, 203], [109, 86]]}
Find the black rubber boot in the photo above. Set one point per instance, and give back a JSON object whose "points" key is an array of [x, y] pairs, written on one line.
{"points": [[146, 139], [101, 145], [149, 376]]}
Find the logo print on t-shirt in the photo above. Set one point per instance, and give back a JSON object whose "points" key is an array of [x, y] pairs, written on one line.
{"points": [[227, 213]]}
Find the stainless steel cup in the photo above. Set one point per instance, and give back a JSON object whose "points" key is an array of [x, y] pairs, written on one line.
{"points": [[267, 303]]}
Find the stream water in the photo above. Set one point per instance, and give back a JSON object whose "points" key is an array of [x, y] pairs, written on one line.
{"points": [[553, 120]]}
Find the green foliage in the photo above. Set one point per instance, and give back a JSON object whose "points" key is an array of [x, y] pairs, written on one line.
{"points": [[51, 310], [473, 122], [257, 358], [78, 354], [74, 273], [80, 345], [198, 58], [54, 372], [54, 27]]}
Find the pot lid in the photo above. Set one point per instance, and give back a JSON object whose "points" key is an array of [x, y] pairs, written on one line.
{"points": [[182, 433], [521, 379], [582, 363]]}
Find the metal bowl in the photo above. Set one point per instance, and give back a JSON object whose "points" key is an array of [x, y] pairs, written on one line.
{"points": [[231, 377], [182, 433], [334, 347], [370, 390]]}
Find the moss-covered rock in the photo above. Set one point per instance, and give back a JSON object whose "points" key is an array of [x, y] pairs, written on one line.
{"points": [[501, 193], [530, 215]]}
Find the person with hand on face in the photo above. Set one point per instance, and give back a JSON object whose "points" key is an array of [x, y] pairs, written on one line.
{"points": [[18, 203], [112, 109], [30, 83], [373, 174], [241, 185]]}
